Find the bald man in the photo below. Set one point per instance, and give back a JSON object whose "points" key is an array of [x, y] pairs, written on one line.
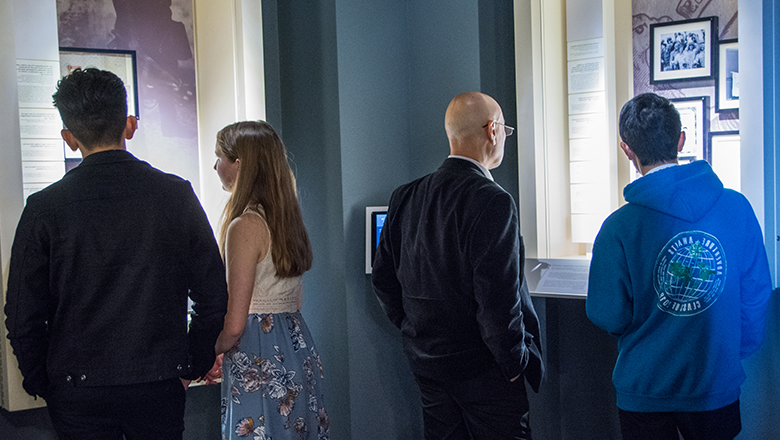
{"points": [[448, 273]]}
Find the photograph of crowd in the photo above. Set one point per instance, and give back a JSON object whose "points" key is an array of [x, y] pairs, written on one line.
{"points": [[683, 50]]}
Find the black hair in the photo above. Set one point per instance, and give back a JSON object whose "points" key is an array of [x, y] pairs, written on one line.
{"points": [[93, 106], [650, 125]]}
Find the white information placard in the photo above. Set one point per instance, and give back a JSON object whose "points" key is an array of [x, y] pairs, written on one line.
{"points": [[37, 81], [593, 102], [39, 123], [42, 149], [577, 50], [591, 125], [586, 75], [42, 172], [564, 279], [557, 277]]}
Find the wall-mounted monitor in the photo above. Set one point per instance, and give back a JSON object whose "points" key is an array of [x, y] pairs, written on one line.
{"points": [[375, 220]]}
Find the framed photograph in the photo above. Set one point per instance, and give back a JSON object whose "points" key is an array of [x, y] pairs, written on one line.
{"points": [[695, 123], [683, 50], [727, 86], [121, 62], [725, 157]]}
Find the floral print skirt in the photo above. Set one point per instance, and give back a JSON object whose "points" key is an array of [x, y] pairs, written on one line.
{"points": [[272, 382]]}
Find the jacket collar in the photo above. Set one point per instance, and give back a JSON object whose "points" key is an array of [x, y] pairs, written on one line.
{"points": [[107, 156], [460, 162]]}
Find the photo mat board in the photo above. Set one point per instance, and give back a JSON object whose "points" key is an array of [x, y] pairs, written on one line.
{"points": [[725, 157]]}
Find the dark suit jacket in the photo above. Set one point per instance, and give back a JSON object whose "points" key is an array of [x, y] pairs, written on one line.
{"points": [[101, 268], [448, 273]]}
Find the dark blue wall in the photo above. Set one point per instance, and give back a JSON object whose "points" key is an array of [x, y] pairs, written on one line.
{"points": [[497, 79], [374, 85], [305, 82]]}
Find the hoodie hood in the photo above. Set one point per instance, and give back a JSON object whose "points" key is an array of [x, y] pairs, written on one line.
{"points": [[684, 191]]}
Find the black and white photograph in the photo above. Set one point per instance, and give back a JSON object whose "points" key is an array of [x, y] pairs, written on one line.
{"points": [[682, 50], [727, 93]]}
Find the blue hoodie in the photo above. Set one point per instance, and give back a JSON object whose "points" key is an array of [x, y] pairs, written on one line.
{"points": [[680, 276]]}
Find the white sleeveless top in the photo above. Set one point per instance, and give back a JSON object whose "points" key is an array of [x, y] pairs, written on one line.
{"points": [[272, 294]]}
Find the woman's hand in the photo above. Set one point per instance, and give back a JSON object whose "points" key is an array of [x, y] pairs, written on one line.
{"points": [[215, 373]]}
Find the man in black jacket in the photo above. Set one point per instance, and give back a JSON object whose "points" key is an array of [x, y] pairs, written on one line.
{"points": [[448, 273], [102, 266]]}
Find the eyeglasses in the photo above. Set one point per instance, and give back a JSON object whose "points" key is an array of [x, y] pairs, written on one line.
{"points": [[507, 129]]}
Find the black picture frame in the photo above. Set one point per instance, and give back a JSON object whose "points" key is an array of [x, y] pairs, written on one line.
{"points": [[120, 62], [683, 50], [694, 116], [728, 74]]}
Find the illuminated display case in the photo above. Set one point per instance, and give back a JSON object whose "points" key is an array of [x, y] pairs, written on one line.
{"points": [[568, 164], [573, 76]]}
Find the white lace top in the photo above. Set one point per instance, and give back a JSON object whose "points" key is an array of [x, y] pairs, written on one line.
{"points": [[272, 294]]}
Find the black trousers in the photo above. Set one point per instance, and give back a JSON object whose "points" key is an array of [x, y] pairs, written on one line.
{"points": [[147, 411], [487, 407], [719, 424]]}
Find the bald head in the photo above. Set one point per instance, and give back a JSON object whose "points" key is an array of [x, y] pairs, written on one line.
{"points": [[468, 112], [470, 128]]}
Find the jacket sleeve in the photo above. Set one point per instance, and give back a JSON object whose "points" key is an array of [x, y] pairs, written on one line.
{"points": [[27, 302], [383, 273], [496, 255], [609, 304], [208, 291], [755, 286]]}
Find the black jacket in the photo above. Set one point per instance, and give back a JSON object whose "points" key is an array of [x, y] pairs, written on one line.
{"points": [[448, 273], [101, 268]]}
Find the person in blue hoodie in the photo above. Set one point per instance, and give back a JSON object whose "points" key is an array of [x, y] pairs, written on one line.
{"points": [[680, 276]]}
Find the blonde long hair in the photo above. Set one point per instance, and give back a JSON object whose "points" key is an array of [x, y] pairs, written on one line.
{"points": [[265, 179]]}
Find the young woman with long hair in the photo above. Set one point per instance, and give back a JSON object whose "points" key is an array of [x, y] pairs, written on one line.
{"points": [[272, 374]]}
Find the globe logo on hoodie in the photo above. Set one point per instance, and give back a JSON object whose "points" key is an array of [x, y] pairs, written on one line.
{"points": [[689, 273]]}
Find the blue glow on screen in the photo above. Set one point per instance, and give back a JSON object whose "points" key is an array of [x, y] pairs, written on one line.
{"points": [[379, 222]]}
